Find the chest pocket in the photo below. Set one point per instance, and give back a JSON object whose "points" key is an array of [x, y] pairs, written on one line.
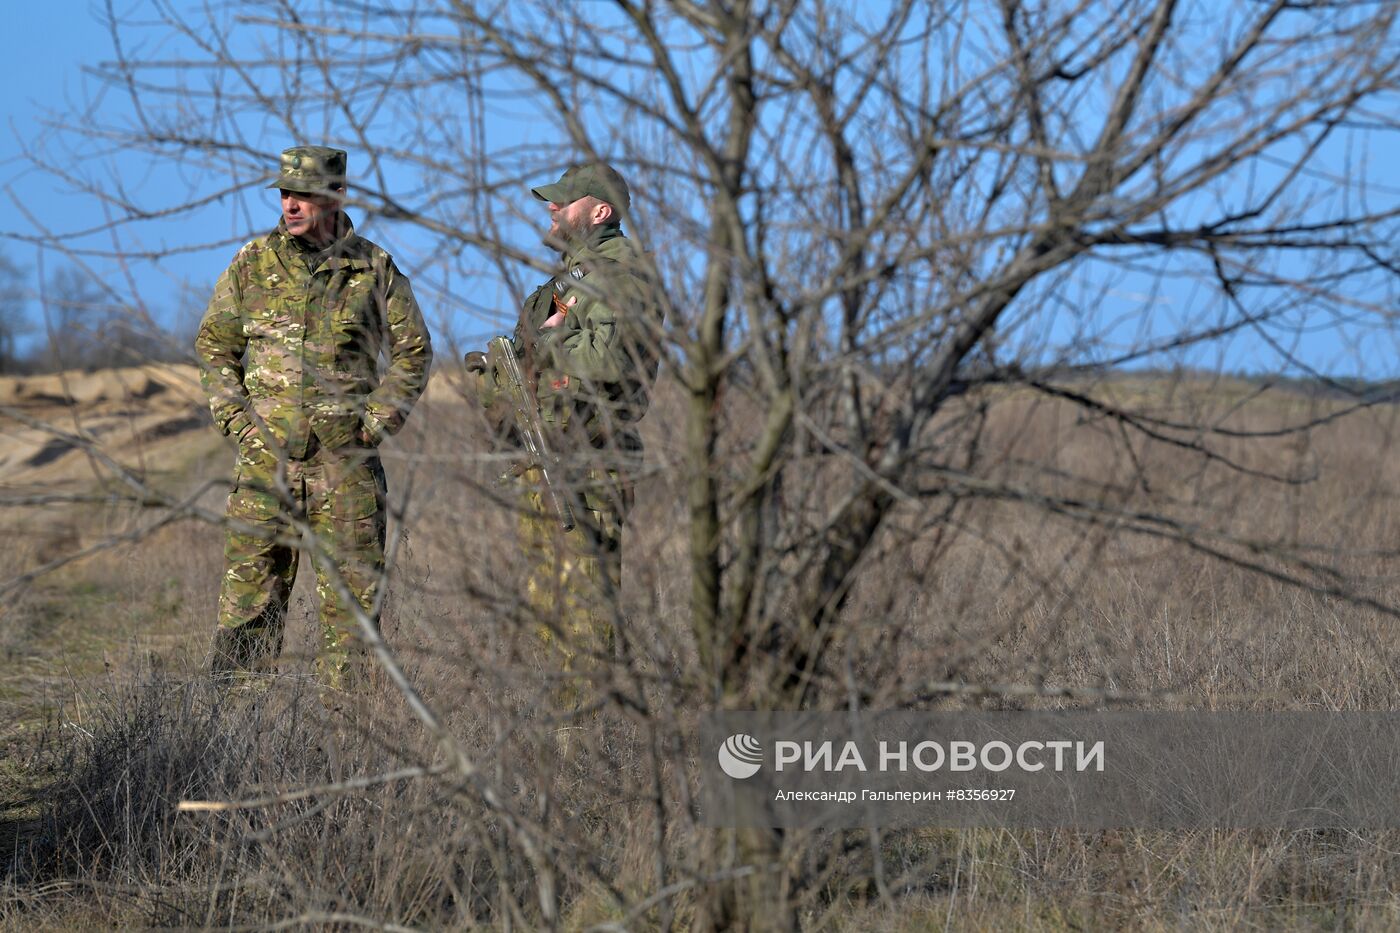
{"points": [[353, 311], [538, 304], [273, 306]]}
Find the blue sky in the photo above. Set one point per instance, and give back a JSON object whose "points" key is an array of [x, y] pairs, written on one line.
{"points": [[45, 47], [43, 51]]}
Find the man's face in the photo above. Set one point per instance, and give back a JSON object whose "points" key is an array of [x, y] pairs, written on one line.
{"points": [[571, 221], [309, 215]]}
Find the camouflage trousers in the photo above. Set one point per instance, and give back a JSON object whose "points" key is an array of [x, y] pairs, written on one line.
{"points": [[575, 577], [339, 495]]}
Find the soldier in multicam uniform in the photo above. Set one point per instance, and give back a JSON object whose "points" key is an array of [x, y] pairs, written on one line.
{"points": [[587, 338], [290, 346]]}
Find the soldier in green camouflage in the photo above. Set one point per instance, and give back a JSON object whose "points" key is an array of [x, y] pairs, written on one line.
{"points": [[587, 338], [290, 348]]}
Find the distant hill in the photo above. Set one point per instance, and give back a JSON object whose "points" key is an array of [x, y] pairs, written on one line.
{"points": [[141, 416]]}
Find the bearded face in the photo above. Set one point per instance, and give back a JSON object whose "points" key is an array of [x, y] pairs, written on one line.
{"points": [[571, 222]]}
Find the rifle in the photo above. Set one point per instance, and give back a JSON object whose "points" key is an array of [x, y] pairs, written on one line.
{"points": [[501, 358]]}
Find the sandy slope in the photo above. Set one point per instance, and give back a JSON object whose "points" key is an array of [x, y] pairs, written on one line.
{"points": [[141, 416], [147, 418]]}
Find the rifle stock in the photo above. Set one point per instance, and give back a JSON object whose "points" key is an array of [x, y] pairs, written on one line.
{"points": [[501, 356]]}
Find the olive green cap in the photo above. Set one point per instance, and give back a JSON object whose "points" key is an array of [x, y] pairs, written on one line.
{"points": [[311, 170], [595, 178]]}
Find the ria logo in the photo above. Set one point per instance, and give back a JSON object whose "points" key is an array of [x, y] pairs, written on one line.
{"points": [[740, 756]]}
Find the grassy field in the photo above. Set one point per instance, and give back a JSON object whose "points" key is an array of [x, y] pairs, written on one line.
{"points": [[108, 722]]}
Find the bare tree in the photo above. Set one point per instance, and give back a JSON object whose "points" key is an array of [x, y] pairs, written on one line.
{"points": [[14, 313], [896, 247], [74, 311], [88, 327]]}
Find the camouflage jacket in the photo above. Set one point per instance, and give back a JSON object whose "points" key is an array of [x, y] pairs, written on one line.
{"points": [[292, 340], [595, 370]]}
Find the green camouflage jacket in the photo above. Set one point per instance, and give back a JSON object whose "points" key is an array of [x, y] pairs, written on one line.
{"points": [[595, 370], [293, 335]]}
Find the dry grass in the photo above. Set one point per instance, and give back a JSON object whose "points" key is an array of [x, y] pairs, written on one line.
{"points": [[102, 670]]}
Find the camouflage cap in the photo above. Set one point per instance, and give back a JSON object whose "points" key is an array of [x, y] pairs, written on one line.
{"points": [[596, 178], [311, 170]]}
